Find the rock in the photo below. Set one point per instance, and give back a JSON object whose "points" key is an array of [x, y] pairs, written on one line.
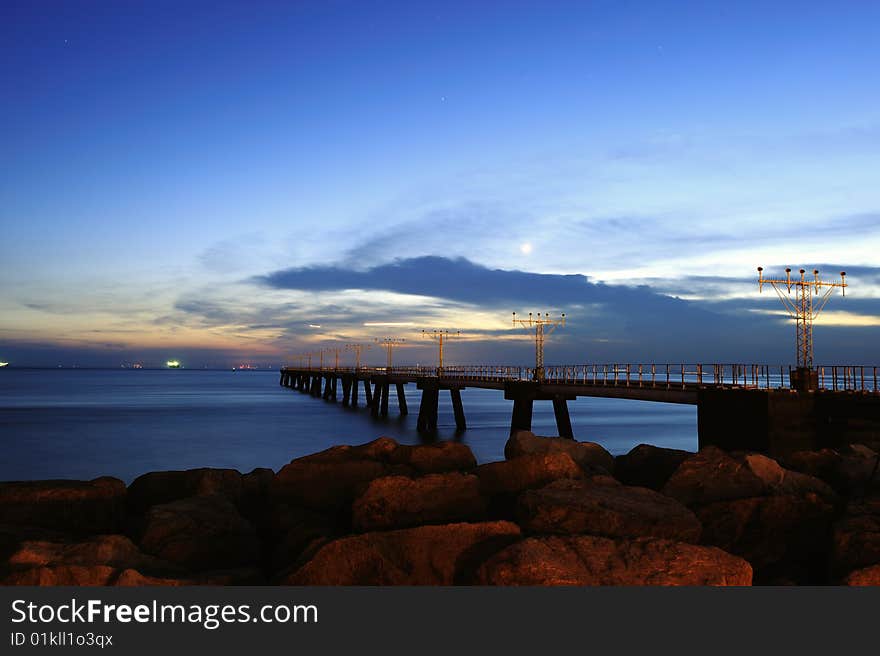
{"points": [[864, 576], [80, 507], [91, 575], [331, 479], [593, 560], [400, 501], [788, 532], [586, 454], [256, 491], [105, 575], [79, 563], [200, 533], [573, 507], [768, 470], [12, 536], [856, 537], [426, 555], [525, 472], [296, 534], [244, 576], [435, 458], [648, 466], [712, 475], [111, 550], [161, 487], [849, 471]]}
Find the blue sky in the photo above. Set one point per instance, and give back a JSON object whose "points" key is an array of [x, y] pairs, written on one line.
{"points": [[165, 164]]}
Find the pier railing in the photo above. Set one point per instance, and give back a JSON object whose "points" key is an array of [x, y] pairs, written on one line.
{"points": [[853, 378]]}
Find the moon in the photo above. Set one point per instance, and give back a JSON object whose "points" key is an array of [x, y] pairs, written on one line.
{"points": [[525, 248]]}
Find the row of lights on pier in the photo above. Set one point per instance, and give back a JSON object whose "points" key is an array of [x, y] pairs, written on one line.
{"points": [[811, 295]]}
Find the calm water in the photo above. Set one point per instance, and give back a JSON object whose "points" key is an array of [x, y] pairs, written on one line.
{"points": [[83, 424]]}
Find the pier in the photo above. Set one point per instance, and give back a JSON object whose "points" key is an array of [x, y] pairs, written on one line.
{"points": [[751, 407]]}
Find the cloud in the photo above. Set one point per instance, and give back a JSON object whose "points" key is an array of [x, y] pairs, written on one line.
{"points": [[459, 279]]}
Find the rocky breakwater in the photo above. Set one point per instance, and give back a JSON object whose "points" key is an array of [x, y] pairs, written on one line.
{"points": [[554, 512]]}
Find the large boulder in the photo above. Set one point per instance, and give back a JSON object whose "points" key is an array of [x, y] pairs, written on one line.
{"points": [[586, 454], [856, 537], [648, 466], [331, 479], [426, 555], [782, 535], [241, 576], [400, 501], [295, 534], [435, 458], [200, 533], [106, 575], [511, 477], [12, 536], [712, 475], [161, 487], [111, 550], [85, 562], [573, 507], [864, 576], [850, 470], [779, 480], [74, 575], [256, 495], [80, 507], [593, 560]]}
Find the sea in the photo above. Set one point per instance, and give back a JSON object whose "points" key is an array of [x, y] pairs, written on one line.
{"points": [[85, 423]]}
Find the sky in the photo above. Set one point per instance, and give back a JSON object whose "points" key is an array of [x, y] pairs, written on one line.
{"points": [[240, 182]]}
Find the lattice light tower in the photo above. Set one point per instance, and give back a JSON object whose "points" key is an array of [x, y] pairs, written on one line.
{"points": [[440, 336], [811, 295], [388, 343], [358, 349], [543, 326]]}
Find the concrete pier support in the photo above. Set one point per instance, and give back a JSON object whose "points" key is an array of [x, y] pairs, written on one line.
{"points": [[379, 405], [401, 399], [384, 404], [563, 420], [368, 394], [458, 409], [354, 392], [427, 421], [524, 394], [346, 390], [429, 405]]}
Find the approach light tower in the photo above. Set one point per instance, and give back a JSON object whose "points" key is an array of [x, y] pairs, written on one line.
{"points": [[803, 309], [388, 343], [335, 350], [357, 349], [440, 336], [543, 326]]}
